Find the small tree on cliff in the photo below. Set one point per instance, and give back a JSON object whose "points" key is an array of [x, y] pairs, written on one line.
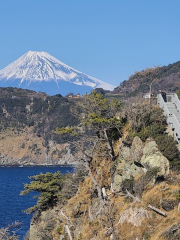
{"points": [[98, 114], [49, 186]]}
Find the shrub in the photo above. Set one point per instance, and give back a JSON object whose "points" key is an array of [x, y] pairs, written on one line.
{"points": [[150, 131], [59, 230], [140, 184], [128, 184], [168, 147]]}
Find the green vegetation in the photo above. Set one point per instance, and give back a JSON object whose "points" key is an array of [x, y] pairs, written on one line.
{"points": [[178, 93], [100, 113], [49, 186], [147, 120], [59, 230], [54, 188], [99, 116], [168, 147]]}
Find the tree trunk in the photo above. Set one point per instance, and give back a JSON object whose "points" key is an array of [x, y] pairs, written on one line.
{"points": [[68, 232], [96, 185], [104, 193], [109, 145], [157, 210]]}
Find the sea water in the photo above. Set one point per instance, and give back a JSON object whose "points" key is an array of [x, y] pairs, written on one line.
{"points": [[12, 180]]}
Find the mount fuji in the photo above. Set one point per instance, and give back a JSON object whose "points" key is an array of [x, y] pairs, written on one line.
{"points": [[39, 71]]}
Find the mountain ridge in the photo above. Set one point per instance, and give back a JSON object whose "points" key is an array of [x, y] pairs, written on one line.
{"points": [[164, 78]]}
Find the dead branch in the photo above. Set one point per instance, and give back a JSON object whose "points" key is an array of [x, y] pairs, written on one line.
{"points": [[157, 211], [111, 223], [149, 206], [95, 144], [112, 190], [90, 215], [109, 146], [10, 231], [66, 217], [178, 206], [130, 195], [104, 193], [68, 232], [96, 185]]}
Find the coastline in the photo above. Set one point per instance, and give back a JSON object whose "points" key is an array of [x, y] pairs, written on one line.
{"points": [[41, 165]]}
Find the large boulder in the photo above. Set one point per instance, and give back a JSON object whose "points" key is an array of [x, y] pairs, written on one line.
{"points": [[125, 153], [137, 149], [125, 170], [168, 204], [134, 216], [152, 158], [126, 166], [137, 160]]}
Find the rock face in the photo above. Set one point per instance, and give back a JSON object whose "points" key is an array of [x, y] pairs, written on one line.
{"points": [[43, 229], [126, 167], [25, 148], [134, 215], [125, 170], [152, 157], [168, 204], [137, 149], [137, 160]]}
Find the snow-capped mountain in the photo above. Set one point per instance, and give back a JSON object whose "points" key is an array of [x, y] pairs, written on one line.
{"points": [[40, 71]]}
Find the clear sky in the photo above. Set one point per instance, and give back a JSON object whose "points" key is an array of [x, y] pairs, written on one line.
{"points": [[107, 39]]}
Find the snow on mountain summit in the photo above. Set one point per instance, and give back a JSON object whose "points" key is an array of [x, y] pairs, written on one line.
{"points": [[40, 67]]}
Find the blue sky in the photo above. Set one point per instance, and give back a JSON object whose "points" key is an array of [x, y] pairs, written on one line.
{"points": [[107, 39]]}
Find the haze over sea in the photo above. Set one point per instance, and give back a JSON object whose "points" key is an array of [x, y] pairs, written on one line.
{"points": [[12, 181]]}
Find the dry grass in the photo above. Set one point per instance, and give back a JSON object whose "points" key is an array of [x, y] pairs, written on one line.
{"points": [[151, 227]]}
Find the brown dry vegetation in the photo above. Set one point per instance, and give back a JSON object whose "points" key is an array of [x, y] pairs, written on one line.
{"points": [[22, 146], [151, 227]]}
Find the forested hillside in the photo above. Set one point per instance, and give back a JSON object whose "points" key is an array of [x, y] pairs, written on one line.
{"points": [[166, 78], [21, 108], [27, 121]]}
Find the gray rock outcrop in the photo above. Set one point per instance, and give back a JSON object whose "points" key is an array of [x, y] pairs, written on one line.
{"points": [[137, 160], [126, 167], [168, 204], [152, 158], [137, 149]]}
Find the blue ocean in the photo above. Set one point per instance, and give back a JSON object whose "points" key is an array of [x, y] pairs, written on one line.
{"points": [[12, 181]]}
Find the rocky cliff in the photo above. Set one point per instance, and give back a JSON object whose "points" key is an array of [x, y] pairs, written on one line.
{"points": [[25, 148], [139, 200]]}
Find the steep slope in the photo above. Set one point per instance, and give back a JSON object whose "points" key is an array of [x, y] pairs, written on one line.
{"points": [[27, 119], [125, 214], [166, 78], [40, 71]]}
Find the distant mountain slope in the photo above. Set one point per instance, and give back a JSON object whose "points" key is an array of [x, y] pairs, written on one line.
{"points": [[166, 78], [21, 108], [39, 71], [27, 121]]}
